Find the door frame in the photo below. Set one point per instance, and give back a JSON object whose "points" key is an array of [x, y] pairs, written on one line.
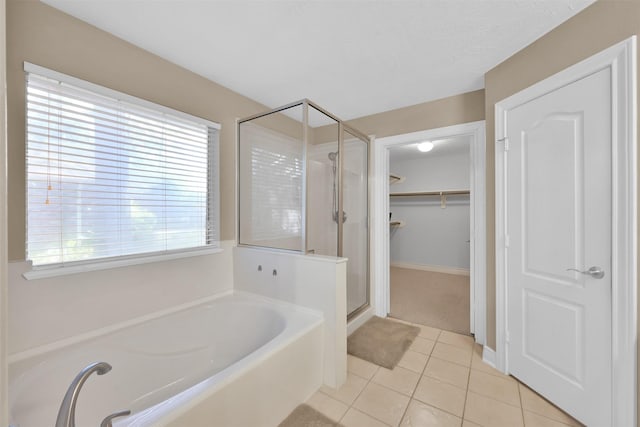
{"points": [[621, 59], [380, 218]]}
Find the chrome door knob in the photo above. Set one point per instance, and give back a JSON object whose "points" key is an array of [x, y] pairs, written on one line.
{"points": [[595, 272]]}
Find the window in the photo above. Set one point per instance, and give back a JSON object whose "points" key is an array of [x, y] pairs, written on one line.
{"points": [[109, 175]]}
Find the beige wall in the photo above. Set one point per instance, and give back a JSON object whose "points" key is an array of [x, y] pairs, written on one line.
{"points": [[45, 36], [597, 27], [464, 108]]}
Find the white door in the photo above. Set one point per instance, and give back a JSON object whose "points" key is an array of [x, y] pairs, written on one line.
{"points": [[558, 218]]}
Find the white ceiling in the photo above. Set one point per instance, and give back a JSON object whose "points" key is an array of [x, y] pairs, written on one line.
{"points": [[443, 147], [353, 57]]}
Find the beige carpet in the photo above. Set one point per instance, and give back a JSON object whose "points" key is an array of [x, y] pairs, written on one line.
{"points": [[433, 299], [305, 416], [381, 341]]}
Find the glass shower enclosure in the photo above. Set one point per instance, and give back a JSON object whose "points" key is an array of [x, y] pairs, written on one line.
{"points": [[303, 186]]}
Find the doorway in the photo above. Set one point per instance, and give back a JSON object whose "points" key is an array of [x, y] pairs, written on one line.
{"points": [[565, 237], [429, 233], [381, 235]]}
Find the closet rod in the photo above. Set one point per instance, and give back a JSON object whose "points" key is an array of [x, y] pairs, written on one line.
{"points": [[431, 193]]}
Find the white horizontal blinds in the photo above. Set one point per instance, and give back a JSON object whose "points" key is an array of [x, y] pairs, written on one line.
{"points": [[276, 183], [109, 178]]}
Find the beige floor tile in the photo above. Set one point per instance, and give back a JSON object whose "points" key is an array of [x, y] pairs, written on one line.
{"points": [[451, 353], [441, 395], [349, 391], [382, 403], [477, 353], [502, 389], [414, 361], [422, 415], [448, 372], [491, 413], [361, 368], [428, 332], [533, 402], [327, 405], [355, 418], [488, 369], [478, 364], [399, 379], [467, 423], [458, 340], [422, 345], [532, 419]]}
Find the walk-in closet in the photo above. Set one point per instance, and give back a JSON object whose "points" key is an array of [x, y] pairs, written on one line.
{"points": [[429, 220]]}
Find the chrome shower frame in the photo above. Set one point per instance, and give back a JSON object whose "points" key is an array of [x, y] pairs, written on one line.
{"points": [[342, 128]]}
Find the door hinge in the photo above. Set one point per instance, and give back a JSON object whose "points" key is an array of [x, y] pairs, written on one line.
{"points": [[506, 337], [505, 142], [507, 241]]}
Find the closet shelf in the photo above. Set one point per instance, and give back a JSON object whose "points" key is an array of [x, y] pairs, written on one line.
{"points": [[443, 195], [431, 193]]}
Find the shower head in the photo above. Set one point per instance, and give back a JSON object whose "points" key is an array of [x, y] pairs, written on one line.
{"points": [[333, 155]]}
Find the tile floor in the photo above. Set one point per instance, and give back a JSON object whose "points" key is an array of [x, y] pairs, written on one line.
{"points": [[440, 381]]}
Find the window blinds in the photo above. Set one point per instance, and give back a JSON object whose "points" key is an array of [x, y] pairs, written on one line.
{"points": [[108, 177]]}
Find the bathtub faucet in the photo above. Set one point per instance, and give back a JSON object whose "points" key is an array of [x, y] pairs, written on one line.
{"points": [[67, 412]]}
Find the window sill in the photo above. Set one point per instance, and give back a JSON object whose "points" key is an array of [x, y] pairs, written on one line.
{"points": [[45, 272]]}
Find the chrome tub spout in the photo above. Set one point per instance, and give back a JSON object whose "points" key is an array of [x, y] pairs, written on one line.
{"points": [[67, 412]]}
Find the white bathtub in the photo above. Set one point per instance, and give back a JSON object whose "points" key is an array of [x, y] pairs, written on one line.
{"points": [[236, 360]]}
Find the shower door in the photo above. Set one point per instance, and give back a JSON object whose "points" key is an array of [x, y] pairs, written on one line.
{"points": [[338, 174], [355, 231]]}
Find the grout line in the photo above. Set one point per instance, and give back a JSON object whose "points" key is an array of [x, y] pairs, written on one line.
{"points": [[495, 400], [548, 402], [466, 395], [455, 363], [360, 393], [521, 405], [404, 414]]}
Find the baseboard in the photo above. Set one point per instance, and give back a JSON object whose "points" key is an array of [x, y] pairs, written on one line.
{"points": [[489, 356], [435, 268]]}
